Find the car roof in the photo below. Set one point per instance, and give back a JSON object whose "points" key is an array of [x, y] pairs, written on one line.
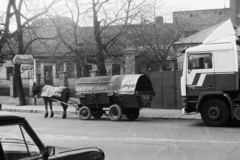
{"points": [[8, 116]]}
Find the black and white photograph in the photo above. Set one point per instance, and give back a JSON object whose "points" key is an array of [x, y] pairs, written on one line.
{"points": [[119, 79]]}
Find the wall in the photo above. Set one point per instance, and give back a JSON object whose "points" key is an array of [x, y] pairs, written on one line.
{"points": [[199, 20], [130, 64], [235, 11]]}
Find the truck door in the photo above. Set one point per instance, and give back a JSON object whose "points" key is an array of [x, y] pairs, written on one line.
{"points": [[200, 74]]}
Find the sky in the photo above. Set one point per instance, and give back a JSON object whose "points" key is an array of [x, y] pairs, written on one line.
{"points": [[180, 4], [167, 7]]}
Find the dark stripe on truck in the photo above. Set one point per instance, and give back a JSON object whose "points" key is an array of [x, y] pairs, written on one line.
{"points": [[196, 78]]}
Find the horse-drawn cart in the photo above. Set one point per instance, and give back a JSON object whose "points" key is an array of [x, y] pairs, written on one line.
{"points": [[115, 95]]}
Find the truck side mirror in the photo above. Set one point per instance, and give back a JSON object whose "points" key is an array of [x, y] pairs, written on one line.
{"points": [[189, 67], [50, 150]]}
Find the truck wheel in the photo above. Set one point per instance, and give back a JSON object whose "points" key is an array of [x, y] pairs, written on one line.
{"points": [[97, 113], [115, 112], [132, 114], [215, 113], [84, 113]]}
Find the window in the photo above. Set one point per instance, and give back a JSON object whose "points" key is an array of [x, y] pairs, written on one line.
{"points": [[115, 69], [59, 68], [38, 68], [69, 69], [87, 69], [200, 61], [17, 143], [9, 72]]}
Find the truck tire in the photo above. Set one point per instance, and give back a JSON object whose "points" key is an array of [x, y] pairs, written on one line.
{"points": [[132, 114], [84, 113], [215, 113], [115, 112]]}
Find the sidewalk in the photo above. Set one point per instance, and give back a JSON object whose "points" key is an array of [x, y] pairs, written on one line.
{"points": [[145, 113]]}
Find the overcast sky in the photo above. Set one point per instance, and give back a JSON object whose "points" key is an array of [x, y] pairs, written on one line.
{"points": [[167, 6]]}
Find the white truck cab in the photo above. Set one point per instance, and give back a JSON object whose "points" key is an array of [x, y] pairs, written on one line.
{"points": [[210, 79]]}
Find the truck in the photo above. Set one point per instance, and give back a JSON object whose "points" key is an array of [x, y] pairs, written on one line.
{"points": [[210, 79]]}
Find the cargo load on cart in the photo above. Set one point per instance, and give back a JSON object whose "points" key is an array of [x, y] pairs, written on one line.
{"points": [[114, 95]]}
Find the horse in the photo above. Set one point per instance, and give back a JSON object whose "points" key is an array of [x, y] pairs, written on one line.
{"points": [[62, 96]]}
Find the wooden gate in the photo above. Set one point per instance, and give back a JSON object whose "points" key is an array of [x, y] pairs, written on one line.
{"points": [[167, 89]]}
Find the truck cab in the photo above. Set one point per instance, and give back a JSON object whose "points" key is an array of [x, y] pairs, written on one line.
{"points": [[210, 79]]}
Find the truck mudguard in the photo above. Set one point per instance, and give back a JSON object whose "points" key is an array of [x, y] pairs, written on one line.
{"points": [[203, 94]]}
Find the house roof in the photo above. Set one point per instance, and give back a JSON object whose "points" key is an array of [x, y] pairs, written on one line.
{"points": [[199, 37]]}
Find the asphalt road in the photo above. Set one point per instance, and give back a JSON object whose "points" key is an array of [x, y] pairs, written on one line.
{"points": [[162, 139]]}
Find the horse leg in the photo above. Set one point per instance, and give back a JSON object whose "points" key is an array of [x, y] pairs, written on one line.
{"points": [[64, 98], [46, 107], [50, 105], [64, 115]]}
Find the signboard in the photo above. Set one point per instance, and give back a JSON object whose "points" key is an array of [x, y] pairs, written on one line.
{"points": [[26, 67], [92, 87], [23, 59]]}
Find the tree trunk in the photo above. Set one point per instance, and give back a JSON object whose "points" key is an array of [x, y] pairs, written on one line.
{"points": [[19, 86], [19, 39], [98, 38], [101, 61]]}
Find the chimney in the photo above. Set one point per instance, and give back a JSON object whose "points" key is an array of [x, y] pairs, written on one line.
{"points": [[235, 12], [159, 20]]}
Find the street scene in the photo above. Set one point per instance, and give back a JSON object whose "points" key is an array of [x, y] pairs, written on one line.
{"points": [[120, 79], [142, 139]]}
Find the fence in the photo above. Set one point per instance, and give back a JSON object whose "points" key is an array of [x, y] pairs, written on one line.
{"points": [[167, 89], [166, 86]]}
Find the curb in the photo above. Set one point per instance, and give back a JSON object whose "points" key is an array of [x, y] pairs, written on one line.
{"points": [[182, 117]]}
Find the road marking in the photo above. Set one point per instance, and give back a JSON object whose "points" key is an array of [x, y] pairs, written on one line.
{"points": [[134, 139]]}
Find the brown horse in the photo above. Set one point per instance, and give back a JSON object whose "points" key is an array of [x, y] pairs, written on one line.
{"points": [[63, 97]]}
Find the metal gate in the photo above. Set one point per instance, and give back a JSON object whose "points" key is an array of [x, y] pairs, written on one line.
{"points": [[167, 89]]}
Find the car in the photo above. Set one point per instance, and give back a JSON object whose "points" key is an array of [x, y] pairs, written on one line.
{"points": [[19, 141]]}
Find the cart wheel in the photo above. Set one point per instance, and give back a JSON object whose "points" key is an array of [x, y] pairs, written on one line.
{"points": [[97, 113], [132, 114], [115, 112], [84, 113]]}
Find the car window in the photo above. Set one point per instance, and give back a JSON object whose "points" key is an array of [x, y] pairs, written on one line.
{"points": [[16, 143], [200, 61]]}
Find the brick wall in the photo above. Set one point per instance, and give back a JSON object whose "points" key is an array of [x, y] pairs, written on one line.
{"points": [[199, 20]]}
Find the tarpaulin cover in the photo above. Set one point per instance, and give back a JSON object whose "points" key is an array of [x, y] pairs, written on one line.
{"points": [[49, 91], [120, 84]]}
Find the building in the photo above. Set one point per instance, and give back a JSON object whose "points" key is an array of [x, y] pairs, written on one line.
{"points": [[199, 20], [203, 23], [53, 56]]}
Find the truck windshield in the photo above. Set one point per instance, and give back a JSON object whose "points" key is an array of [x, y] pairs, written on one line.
{"points": [[199, 61]]}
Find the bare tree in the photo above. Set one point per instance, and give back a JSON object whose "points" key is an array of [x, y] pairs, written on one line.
{"points": [[78, 40], [113, 25], [21, 14], [103, 38], [153, 39]]}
